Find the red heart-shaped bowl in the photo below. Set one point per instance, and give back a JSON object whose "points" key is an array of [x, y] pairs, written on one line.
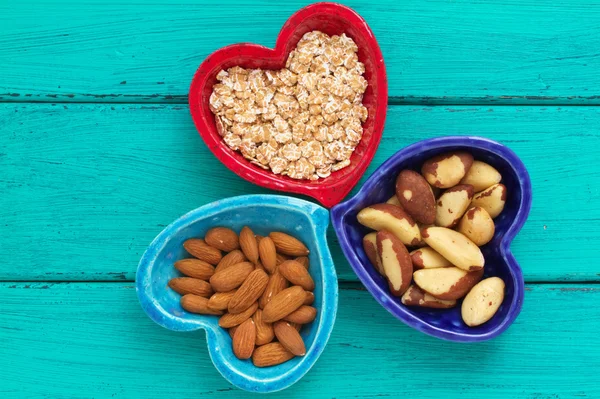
{"points": [[332, 19]]}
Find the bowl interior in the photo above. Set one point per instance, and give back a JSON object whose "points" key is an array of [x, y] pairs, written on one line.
{"points": [[263, 213], [333, 19], [443, 323]]}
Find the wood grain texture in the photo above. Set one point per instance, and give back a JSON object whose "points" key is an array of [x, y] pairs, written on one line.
{"points": [[85, 188], [93, 340], [457, 52]]}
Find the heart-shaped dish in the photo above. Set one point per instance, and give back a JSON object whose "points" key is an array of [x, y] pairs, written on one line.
{"points": [[263, 213], [332, 19], [499, 261]]}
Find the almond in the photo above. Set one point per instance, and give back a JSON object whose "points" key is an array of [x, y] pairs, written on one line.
{"points": [[481, 176], [222, 238], [268, 254], [303, 260], [370, 247], [232, 258], [188, 285], [491, 199], [415, 296], [447, 170], [249, 292], [198, 248], [289, 338], [232, 277], [231, 320], [452, 205], [197, 304], [303, 315], [296, 326], [244, 339], [415, 196], [264, 331], [310, 298], [396, 262], [455, 247], [281, 258], [276, 284], [220, 300], [271, 355], [297, 274], [288, 245], [248, 244], [231, 331], [195, 268], [283, 304], [393, 218]]}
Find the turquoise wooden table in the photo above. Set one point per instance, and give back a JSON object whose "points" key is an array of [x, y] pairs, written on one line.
{"points": [[98, 153]]}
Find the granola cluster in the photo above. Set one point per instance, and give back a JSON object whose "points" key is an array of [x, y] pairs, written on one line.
{"points": [[303, 121]]}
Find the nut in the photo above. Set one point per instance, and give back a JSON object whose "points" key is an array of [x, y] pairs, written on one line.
{"points": [[283, 304], [415, 296], [452, 205], [427, 258], [303, 315], [288, 245], [481, 176], [220, 300], [244, 339], [195, 268], [232, 277], [289, 338], [303, 260], [188, 285], [447, 283], [232, 258], [447, 170], [415, 196], [455, 247], [231, 320], [198, 248], [297, 274], [477, 225], [310, 298], [268, 254], [393, 201], [197, 304], [370, 247], [491, 199], [393, 219], [483, 301], [249, 292], [248, 244], [276, 284], [396, 262], [264, 331], [271, 355], [222, 238]]}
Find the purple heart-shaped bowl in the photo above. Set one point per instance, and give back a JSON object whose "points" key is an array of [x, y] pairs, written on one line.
{"points": [[499, 261]]}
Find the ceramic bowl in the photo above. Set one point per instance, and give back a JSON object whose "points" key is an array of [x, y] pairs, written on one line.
{"points": [[499, 261], [263, 213], [333, 19]]}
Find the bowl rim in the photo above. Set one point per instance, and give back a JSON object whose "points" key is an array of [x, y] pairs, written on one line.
{"points": [[318, 219], [329, 192], [400, 311]]}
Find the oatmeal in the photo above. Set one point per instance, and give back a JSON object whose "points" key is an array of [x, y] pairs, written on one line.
{"points": [[303, 121]]}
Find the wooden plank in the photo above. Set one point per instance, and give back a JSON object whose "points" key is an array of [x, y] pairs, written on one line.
{"points": [[456, 52], [68, 340], [86, 187]]}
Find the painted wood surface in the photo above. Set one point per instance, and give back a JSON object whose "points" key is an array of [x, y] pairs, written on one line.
{"points": [[92, 340], [459, 52], [86, 187]]}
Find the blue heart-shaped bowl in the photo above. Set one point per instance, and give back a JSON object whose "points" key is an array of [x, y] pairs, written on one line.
{"points": [[264, 214], [499, 261]]}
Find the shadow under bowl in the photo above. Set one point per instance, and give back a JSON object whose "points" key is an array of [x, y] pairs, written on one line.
{"points": [[263, 213], [499, 261]]}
